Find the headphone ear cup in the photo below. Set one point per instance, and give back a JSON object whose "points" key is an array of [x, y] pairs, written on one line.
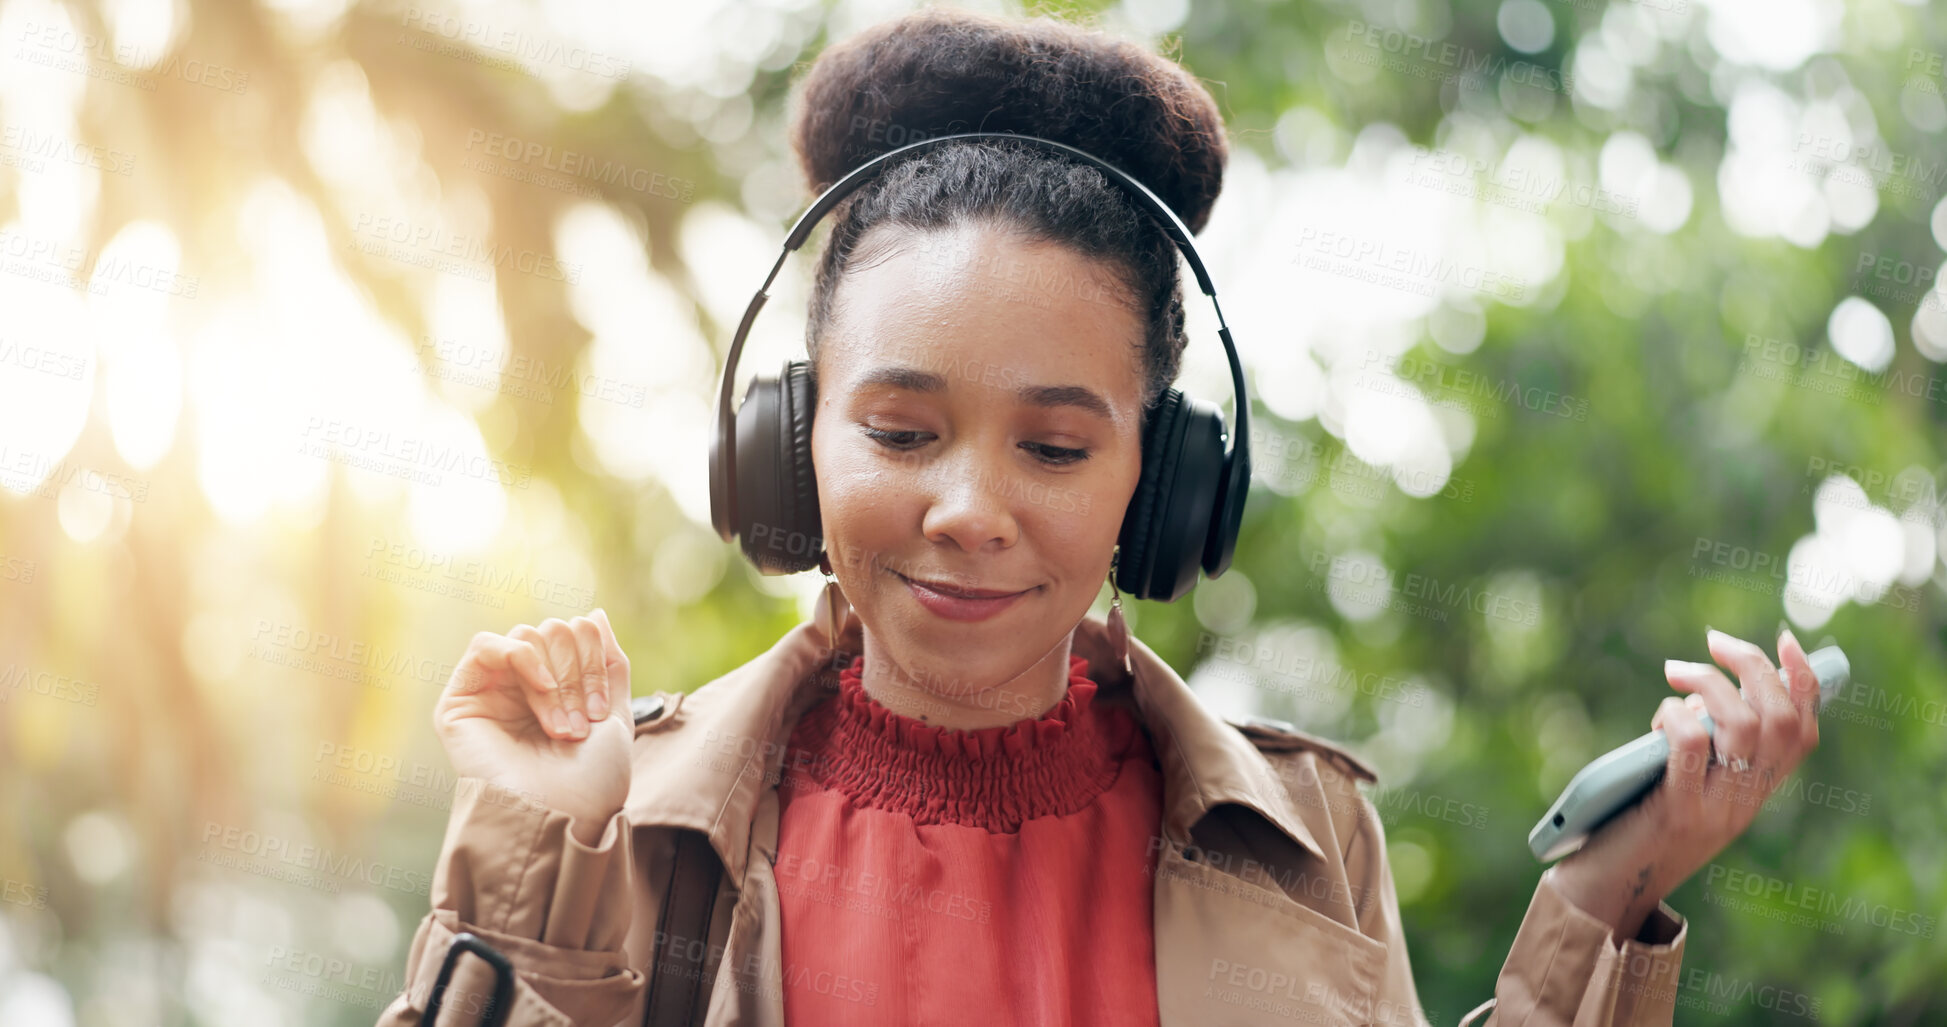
{"points": [[1170, 516], [1136, 541], [801, 514], [777, 526]]}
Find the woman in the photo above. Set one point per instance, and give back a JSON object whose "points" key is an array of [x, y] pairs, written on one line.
{"points": [[997, 810]]}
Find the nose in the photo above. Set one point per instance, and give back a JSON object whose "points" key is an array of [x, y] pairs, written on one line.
{"points": [[971, 505]]}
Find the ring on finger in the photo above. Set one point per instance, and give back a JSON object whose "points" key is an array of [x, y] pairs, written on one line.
{"points": [[1737, 764]]}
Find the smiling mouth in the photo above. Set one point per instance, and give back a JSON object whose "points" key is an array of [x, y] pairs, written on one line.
{"points": [[958, 593]]}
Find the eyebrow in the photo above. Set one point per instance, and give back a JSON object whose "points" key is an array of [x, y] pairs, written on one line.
{"points": [[1034, 395]]}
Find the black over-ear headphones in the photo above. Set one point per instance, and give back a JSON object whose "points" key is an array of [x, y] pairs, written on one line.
{"points": [[1187, 505]]}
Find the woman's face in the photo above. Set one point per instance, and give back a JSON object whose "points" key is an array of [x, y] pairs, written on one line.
{"points": [[977, 427]]}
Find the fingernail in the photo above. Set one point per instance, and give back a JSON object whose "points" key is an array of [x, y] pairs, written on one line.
{"points": [[577, 724], [597, 706], [1683, 667], [558, 720], [1713, 634], [1694, 701], [1788, 636]]}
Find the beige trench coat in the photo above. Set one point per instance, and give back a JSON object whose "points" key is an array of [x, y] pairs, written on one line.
{"points": [[1274, 901]]}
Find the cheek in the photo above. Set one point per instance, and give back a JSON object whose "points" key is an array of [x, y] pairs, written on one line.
{"points": [[856, 501], [1077, 523]]}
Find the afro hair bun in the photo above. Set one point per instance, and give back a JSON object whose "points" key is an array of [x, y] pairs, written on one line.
{"points": [[939, 71]]}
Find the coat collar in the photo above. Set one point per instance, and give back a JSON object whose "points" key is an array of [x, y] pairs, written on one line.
{"points": [[725, 742]]}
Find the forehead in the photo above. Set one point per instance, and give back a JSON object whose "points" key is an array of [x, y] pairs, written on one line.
{"points": [[978, 304]]}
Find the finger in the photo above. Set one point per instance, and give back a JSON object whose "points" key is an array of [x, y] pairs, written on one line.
{"points": [[616, 661], [1764, 693], [1695, 701], [1735, 723], [1804, 689], [564, 654], [1656, 721], [1689, 746], [551, 709], [484, 655], [594, 669], [529, 669]]}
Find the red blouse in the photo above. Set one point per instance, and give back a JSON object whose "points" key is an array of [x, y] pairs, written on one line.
{"points": [[1002, 875]]}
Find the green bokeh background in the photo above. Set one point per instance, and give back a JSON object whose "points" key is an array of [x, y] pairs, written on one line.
{"points": [[1624, 532]]}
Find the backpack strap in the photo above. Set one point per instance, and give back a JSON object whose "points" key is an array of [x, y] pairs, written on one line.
{"points": [[689, 899]]}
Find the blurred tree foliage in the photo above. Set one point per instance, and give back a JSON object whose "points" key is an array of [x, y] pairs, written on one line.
{"points": [[1618, 531]]}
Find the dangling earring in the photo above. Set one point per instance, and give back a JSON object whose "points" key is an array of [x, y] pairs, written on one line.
{"points": [[832, 605], [1118, 628]]}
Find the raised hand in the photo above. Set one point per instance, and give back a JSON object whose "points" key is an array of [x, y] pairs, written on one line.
{"points": [[1764, 727], [543, 710]]}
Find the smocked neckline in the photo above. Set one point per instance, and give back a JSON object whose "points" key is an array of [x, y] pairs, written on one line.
{"points": [[993, 777]]}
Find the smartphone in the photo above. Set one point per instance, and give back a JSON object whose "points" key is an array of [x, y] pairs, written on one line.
{"points": [[1615, 780]]}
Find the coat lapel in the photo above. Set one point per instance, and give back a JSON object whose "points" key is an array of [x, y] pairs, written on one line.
{"points": [[1252, 925], [729, 745], [1206, 762]]}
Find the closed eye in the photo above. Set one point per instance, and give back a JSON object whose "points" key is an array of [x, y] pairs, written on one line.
{"points": [[904, 441]]}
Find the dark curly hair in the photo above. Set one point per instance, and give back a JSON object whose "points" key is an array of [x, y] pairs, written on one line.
{"points": [[939, 71]]}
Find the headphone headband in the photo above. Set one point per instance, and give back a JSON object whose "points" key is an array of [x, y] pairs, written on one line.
{"points": [[1234, 481]]}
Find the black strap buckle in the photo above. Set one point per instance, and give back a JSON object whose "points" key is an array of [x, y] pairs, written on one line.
{"points": [[467, 941]]}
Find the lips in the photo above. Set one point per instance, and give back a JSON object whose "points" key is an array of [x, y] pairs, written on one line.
{"points": [[960, 604], [959, 592]]}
